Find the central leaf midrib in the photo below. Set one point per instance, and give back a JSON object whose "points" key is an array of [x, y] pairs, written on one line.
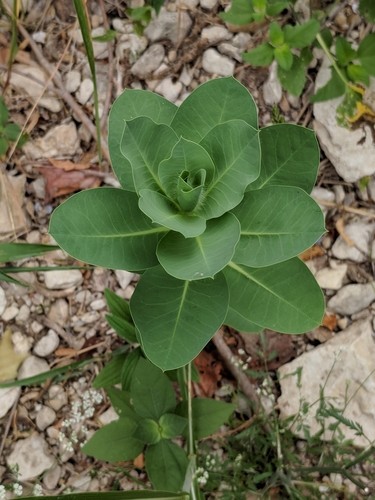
{"points": [[123, 235], [244, 273], [183, 297]]}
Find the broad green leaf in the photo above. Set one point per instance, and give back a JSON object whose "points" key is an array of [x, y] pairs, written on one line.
{"points": [[367, 9], [202, 256], [274, 7], [301, 35], [214, 102], [111, 373], [166, 465], [335, 87], [172, 425], [145, 144], [128, 368], [181, 316], [344, 51], [241, 12], [293, 80], [151, 390], [284, 57], [208, 415], [366, 53], [129, 105], [242, 324], [161, 210], [121, 402], [358, 73], [15, 251], [117, 495], [122, 327], [105, 227], [235, 150], [148, 431], [262, 55], [284, 297], [4, 144], [115, 442], [290, 157], [188, 157], [277, 223], [276, 35]]}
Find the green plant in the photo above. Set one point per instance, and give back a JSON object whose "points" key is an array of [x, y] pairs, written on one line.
{"points": [[9, 131], [141, 16], [213, 213], [213, 225], [248, 11]]}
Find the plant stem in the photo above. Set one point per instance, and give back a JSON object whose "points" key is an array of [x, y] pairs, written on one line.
{"points": [[191, 447], [330, 56]]}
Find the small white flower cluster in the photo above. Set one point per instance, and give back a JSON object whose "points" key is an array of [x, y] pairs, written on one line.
{"points": [[239, 362], [201, 476], [74, 429], [2, 492], [210, 462], [38, 491], [238, 459], [17, 489]]}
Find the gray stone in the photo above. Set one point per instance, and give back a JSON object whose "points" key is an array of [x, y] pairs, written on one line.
{"points": [[59, 312], [32, 366], [241, 40], [124, 278], [3, 301], [52, 477], [100, 48], [149, 61], [362, 235], [168, 89], [45, 417], [230, 50], [332, 278], [47, 344], [208, 4], [272, 91], [216, 64], [352, 298], [23, 315], [351, 152], [216, 34], [31, 457], [61, 140], [72, 80], [7, 399], [31, 80], [22, 343], [108, 416], [85, 91], [344, 366], [60, 280], [9, 313], [173, 26], [57, 397]]}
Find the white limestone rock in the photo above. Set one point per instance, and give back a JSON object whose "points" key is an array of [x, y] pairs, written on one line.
{"points": [[332, 278], [362, 236], [85, 91], [124, 278], [352, 152], [60, 280], [59, 141], [32, 366], [7, 399], [216, 34], [149, 61], [3, 301], [47, 344], [173, 26], [352, 298], [168, 89], [344, 365], [31, 457], [217, 64], [272, 90], [72, 80], [45, 417]]}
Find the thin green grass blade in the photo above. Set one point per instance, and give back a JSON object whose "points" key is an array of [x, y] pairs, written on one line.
{"points": [[86, 34], [12, 270], [14, 251]]}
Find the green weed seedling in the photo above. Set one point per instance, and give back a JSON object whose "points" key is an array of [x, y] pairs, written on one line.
{"points": [[212, 213], [9, 131], [291, 44]]}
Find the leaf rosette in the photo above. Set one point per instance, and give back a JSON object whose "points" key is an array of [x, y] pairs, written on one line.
{"points": [[212, 211]]}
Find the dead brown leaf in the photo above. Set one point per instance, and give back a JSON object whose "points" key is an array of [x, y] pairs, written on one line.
{"points": [[12, 195], [340, 226], [139, 462], [312, 253], [210, 373], [330, 321], [59, 182], [63, 352], [68, 165]]}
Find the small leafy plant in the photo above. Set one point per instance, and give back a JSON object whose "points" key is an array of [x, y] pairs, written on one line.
{"points": [[9, 131], [248, 11], [213, 213]]}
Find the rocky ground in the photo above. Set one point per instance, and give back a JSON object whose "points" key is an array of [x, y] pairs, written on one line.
{"points": [[60, 317]]}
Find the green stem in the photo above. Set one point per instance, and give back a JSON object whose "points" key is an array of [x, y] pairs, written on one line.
{"points": [[330, 56], [191, 447]]}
